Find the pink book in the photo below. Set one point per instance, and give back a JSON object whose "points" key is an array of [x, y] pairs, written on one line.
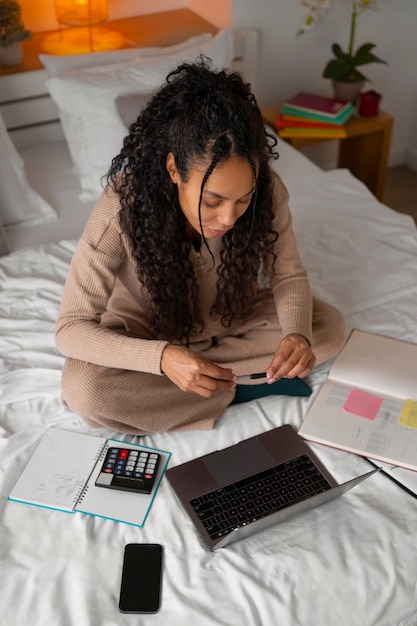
{"points": [[321, 105]]}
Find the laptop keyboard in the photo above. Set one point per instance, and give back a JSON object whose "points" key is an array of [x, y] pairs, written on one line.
{"points": [[223, 510]]}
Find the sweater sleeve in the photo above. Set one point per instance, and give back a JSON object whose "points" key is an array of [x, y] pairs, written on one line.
{"points": [[290, 284], [89, 285]]}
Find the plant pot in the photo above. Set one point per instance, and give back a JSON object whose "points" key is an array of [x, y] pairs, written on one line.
{"points": [[12, 54], [347, 91]]}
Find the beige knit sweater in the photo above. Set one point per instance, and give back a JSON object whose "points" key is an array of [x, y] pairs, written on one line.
{"points": [[103, 316]]}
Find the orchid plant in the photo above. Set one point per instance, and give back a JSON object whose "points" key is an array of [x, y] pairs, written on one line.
{"points": [[343, 67]]}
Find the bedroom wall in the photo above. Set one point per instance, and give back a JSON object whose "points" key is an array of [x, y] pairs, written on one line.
{"points": [[218, 12], [289, 63]]}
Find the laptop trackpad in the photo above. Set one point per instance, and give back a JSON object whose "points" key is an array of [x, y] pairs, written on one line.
{"points": [[234, 463]]}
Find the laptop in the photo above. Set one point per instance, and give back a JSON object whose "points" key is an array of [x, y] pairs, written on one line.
{"points": [[232, 493]]}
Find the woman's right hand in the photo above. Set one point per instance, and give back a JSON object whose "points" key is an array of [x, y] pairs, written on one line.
{"points": [[193, 373]]}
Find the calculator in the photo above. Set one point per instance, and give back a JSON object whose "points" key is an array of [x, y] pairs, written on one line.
{"points": [[129, 470]]}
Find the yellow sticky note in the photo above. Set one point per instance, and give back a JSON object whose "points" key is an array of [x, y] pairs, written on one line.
{"points": [[408, 415]]}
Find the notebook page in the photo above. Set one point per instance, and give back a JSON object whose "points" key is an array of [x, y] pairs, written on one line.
{"points": [[379, 364], [58, 469], [120, 506]]}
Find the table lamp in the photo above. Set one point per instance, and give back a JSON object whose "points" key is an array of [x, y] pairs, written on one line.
{"points": [[81, 13]]}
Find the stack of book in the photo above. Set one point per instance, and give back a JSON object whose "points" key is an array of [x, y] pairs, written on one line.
{"points": [[310, 115]]}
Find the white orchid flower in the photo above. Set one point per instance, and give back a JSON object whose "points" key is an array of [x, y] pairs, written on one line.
{"points": [[316, 4], [309, 20], [312, 11], [363, 5]]}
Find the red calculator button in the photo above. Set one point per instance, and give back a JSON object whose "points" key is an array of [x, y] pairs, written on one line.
{"points": [[123, 454], [148, 475]]}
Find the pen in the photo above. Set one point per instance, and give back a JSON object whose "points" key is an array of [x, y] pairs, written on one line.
{"points": [[251, 376], [395, 480]]}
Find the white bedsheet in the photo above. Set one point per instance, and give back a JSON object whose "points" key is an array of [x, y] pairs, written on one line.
{"points": [[351, 562]]}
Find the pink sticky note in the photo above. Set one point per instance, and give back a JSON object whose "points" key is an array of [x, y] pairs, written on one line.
{"points": [[363, 404]]}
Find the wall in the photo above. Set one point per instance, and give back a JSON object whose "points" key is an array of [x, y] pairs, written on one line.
{"points": [[218, 12], [289, 63]]}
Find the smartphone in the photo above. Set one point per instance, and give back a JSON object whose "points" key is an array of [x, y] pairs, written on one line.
{"points": [[140, 590]]}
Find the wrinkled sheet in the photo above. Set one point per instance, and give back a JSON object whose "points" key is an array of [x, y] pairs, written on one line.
{"points": [[351, 562]]}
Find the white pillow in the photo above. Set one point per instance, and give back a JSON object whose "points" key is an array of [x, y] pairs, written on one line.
{"points": [[20, 205], [57, 64], [86, 99], [129, 105]]}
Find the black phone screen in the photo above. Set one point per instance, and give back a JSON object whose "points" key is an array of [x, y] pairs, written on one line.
{"points": [[140, 590]]}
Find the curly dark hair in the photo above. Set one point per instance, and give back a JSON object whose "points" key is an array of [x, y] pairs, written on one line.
{"points": [[201, 116]]}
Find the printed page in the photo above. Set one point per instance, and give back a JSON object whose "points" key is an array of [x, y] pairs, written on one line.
{"points": [[381, 427], [58, 469], [121, 506], [379, 364]]}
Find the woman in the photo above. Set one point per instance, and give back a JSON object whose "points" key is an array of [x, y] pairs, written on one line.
{"points": [[187, 274]]}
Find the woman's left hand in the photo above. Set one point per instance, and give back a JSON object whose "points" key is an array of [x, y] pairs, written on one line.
{"points": [[293, 357]]}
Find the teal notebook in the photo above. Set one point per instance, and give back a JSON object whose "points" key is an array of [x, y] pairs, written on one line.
{"points": [[62, 471], [283, 387], [338, 120]]}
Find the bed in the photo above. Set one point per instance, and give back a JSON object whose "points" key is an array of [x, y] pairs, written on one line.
{"points": [[351, 562]]}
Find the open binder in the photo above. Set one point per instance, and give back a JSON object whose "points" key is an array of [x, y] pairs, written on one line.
{"points": [[62, 471]]}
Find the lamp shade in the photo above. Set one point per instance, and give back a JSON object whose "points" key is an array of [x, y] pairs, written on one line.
{"points": [[81, 12]]}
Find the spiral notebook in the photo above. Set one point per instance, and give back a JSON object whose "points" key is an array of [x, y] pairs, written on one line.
{"points": [[61, 474]]}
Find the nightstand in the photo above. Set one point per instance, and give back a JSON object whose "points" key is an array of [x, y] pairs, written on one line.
{"points": [[364, 150]]}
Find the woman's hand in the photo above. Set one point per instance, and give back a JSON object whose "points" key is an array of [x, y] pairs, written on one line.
{"points": [[293, 357], [192, 372]]}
